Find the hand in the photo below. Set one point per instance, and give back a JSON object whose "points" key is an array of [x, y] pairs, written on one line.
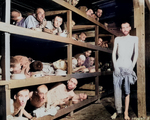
{"points": [[55, 31], [117, 71]]}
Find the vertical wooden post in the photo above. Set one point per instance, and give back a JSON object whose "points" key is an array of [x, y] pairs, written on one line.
{"points": [[69, 48], [139, 24], [69, 23], [96, 61], [69, 58], [112, 41], [5, 99]]}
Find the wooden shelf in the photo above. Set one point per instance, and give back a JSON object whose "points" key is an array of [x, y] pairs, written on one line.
{"points": [[48, 79], [42, 35], [82, 27], [79, 12], [69, 108]]}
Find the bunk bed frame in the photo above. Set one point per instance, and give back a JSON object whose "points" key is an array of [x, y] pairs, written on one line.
{"points": [[6, 84]]}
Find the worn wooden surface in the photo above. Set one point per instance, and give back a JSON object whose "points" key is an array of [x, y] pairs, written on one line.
{"points": [[70, 108], [139, 24]]}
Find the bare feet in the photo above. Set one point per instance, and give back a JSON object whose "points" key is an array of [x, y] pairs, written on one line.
{"points": [[126, 117], [114, 116]]}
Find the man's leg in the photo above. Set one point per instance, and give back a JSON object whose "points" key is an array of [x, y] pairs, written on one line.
{"points": [[127, 99], [117, 95]]}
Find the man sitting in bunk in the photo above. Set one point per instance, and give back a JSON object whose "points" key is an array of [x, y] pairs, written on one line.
{"points": [[37, 98], [35, 21], [82, 37], [99, 13], [89, 12], [16, 16], [79, 97], [19, 67], [77, 64], [61, 93], [88, 62], [18, 104], [53, 27]]}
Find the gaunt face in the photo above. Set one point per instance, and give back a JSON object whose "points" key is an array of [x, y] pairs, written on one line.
{"points": [[80, 61], [57, 21], [99, 13], [22, 97], [82, 36], [100, 41], [16, 69], [40, 15], [42, 93], [15, 15], [72, 83], [125, 28], [59, 64], [88, 53], [92, 60], [89, 12], [82, 96]]}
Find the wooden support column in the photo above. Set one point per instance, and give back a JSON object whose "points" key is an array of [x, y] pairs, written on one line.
{"points": [[69, 23], [139, 24], [96, 61], [69, 58], [6, 64], [69, 48]]}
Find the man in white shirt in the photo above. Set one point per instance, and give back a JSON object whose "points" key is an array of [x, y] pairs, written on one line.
{"points": [[35, 20]]}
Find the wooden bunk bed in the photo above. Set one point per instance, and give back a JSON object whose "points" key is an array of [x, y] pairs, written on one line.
{"points": [[6, 84]]}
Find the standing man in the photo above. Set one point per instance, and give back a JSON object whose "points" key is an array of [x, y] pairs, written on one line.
{"points": [[123, 65]]}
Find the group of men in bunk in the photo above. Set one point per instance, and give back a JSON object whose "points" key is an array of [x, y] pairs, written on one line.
{"points": [[38, 22], [123, 68], [27, 104]]}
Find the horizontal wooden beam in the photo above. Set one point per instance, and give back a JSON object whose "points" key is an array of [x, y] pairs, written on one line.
{"points": [[70, 108], [79, 12], [50, 13], [82, 27], [92, 34], [48, 79], [42, 35]]}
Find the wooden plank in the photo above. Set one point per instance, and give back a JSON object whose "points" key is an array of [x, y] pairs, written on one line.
{"points": [[69, 23], [6, 56], [139, 22], [92, 34], [50, 13], [79, 12], [3, 82], [41, 35], [69, 58], [7, 95], [70, 108], [52, 79], [82, 27]]}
